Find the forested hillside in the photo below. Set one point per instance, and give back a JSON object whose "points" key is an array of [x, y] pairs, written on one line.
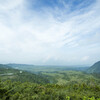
{"points": [[7, 73], [95, 68]]}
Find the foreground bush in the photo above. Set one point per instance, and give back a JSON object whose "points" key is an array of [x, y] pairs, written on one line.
{"points": [[31, 91]]}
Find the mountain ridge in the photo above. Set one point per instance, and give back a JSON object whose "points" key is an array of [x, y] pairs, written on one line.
{"points": [[95, 68]]}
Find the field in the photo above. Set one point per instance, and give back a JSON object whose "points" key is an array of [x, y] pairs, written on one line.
{"points": [[64, 77]]}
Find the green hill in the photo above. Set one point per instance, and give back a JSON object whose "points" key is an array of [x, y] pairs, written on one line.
{"points": [[4, 66], [95, 68], [8, 73]]}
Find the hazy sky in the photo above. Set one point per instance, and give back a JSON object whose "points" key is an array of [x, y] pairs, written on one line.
{"points": [[60, 32]]}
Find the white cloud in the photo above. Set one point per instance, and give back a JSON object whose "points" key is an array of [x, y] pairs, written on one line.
{"points": [[27, 36], [85, 58], [6, 5]]}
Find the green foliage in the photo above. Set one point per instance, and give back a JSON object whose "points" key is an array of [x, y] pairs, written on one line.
{"points": [[59, 85], [31, 91]]}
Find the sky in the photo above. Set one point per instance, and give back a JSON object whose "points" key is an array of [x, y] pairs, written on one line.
{"points": [[50, 32]]}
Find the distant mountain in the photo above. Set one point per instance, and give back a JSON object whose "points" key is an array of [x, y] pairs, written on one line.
{"points": [[3, 66], [46, 68], [95, 68], [19, 65], [24, 67]]}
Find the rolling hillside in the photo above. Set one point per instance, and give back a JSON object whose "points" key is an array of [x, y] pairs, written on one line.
{"points": [[8, 73]]}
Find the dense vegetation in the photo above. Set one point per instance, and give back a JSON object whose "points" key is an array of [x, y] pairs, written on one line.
{"points": [[31, 91], [48, 85]]}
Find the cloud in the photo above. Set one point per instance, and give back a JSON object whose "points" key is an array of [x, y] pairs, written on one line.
{"points": [[56, 33], [85, 58]]}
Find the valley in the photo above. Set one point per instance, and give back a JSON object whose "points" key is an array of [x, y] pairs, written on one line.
{"points": [[48, 83]]}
